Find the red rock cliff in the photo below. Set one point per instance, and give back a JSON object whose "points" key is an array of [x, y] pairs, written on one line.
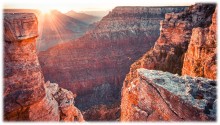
{"points": [[200, 58], [26, 96]]}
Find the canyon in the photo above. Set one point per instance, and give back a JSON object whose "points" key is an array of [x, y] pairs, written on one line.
{"points": [[187, 45], [136, 64], [26, 96], [94, 66]]}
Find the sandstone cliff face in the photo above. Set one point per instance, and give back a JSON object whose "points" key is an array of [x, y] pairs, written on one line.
{"points": [[25, 95], [94, 66], [200, 58], [161, 96]]}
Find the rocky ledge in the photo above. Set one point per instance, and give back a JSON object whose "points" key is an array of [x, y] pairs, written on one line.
{"points": [[161, 96]]}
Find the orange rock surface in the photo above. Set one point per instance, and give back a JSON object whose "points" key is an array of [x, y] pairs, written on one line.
{"points": [[200, 58]]}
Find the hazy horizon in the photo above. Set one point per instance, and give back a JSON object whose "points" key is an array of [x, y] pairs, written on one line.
{"points": [[83, 5]]}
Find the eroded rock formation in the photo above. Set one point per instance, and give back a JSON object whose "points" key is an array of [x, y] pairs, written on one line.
{"points": [[26, 96], [200, 58], [94, 66], [161, 96], [65, 99]]}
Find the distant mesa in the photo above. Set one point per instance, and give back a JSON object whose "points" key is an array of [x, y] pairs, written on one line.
{"points": [[89, 19]]}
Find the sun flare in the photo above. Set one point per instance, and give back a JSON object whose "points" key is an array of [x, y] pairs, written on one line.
{"points": [[45, 10]]}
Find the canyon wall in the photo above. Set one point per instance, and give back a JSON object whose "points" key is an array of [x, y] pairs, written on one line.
{"points": [[172, 44], [95, 65], [26, 96], [192, 32], [161, 96], [200, 58]]}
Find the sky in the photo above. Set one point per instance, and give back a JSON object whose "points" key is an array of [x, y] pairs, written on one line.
{"points": [[90, 5]]}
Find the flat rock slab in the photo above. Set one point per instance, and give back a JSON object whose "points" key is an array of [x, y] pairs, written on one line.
{"points": [[198, 92]]}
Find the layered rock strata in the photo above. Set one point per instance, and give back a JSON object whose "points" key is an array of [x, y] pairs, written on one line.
{"points": [[161, 96], [94, 66], [200, 58], [26, 97]]}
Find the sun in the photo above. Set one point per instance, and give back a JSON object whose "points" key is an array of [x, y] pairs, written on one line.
{"points": [[45, 10]]}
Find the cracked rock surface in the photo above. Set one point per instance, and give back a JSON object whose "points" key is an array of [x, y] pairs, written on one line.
{"points": [[155, 95]]}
